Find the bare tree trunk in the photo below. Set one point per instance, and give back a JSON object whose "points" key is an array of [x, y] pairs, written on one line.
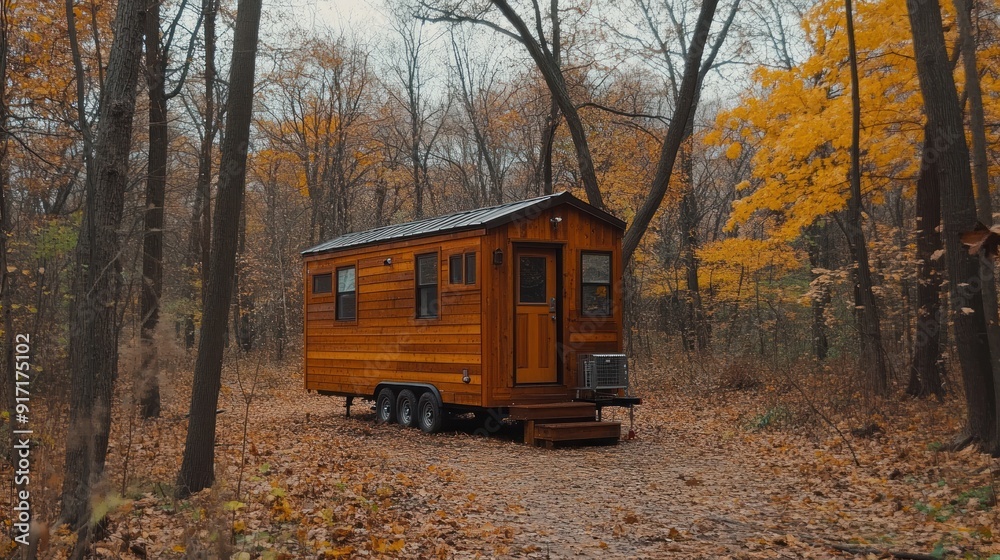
{"points": [[94, 329], [872, 356], [925, 367], [548, 138], [981, 181], [958, 215], [818, 243], [152, 239], [203, 235], [7, 386], [418, 185], [198, 466], [552, 122], [199, 248], [697, 333]]}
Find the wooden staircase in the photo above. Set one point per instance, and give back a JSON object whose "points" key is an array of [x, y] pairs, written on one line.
{"points": [[564, 422]]}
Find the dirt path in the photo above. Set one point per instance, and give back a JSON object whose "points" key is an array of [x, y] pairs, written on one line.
{"points": [[667, 493]]}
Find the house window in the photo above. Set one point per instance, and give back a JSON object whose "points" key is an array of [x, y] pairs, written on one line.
{"points": [[322, 284], [596, 284], [470, 268], [427, 286], [455, 269], [347, 294], [456, 274]]}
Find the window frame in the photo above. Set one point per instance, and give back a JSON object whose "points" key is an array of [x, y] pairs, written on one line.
{"points": [[608, 284], [418, 286], [312, 285], [337, 293]]}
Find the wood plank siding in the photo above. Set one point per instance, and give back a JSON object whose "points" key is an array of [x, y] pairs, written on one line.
{"points": [[387, 342]]}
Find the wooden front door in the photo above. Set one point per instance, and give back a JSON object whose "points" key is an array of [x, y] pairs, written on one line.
{"points": [[535, 316]]}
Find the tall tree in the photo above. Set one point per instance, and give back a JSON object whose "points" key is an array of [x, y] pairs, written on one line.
{"points": [[198, 466], [201, 218], [554, 118], [925, 364], [157, 54], [7, 324], [872, 356], [981, 182], [946, 135], [94, 326]]}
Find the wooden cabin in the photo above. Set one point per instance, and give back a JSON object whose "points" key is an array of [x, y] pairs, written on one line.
{"points": [[492, 308]]}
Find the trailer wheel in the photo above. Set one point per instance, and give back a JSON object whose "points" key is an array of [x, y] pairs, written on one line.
{"points": [[385, 406], [428, 413], [406, 408]]}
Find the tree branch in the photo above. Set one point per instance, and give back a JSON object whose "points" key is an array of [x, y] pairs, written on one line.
{"points": [[621, 113]]}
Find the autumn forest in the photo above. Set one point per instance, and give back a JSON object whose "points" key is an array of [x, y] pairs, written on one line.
{"points": [[809, 290]]}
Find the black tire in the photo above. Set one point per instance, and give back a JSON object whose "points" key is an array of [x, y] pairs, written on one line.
{"points": [[429, 415], [406, 408], [385, 406]]}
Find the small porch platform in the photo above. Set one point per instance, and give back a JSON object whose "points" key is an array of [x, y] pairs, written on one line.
{"points": [[564, 422]]}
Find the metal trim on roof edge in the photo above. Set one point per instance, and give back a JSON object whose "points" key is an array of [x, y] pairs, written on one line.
{"points": [[487, 217]]}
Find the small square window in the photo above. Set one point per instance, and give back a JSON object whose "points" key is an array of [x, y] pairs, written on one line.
{"points": [[322, 284]]}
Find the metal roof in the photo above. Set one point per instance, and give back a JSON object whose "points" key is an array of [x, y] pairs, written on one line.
{"points": [[469, 219]]}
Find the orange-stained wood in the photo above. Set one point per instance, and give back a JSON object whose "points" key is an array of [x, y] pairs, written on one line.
{"points": [[535, 309]]}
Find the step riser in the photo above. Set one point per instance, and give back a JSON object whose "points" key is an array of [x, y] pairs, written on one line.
{"points": [[556, 411], [597, 432], [590, 431]]}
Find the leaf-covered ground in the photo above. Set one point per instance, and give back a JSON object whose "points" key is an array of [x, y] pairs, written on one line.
{"points": [[711, 474]]}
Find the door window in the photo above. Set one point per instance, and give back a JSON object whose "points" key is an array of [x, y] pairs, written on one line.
{"points": [[532, 286]]}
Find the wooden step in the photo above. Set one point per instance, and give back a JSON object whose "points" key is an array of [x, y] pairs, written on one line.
{"points": [[553, 411], [598, 432]]}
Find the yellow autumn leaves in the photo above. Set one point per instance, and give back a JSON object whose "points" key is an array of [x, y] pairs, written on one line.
{"points": [[794, 123]]}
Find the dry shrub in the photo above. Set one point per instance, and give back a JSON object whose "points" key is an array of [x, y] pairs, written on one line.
{"points": [[740, 374]]}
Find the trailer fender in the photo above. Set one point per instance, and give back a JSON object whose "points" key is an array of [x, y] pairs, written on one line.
{"points": [[397, 386]]}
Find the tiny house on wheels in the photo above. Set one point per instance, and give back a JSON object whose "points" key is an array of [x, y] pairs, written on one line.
{"points": [[514, 309]]}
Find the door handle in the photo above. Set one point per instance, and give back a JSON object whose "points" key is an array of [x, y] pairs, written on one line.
{"points": [[553, 317], [552, 305]]}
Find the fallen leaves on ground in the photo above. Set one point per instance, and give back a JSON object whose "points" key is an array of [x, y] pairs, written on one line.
{"points": [[710, 475]]}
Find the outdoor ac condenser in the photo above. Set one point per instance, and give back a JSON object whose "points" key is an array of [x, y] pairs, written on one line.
{"points": [[603, 371]]}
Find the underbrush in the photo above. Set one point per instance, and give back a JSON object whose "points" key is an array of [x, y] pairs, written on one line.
{"points": [[879, 468]]}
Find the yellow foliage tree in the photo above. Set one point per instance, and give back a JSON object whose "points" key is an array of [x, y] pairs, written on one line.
{"points": [[797, 121]]}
